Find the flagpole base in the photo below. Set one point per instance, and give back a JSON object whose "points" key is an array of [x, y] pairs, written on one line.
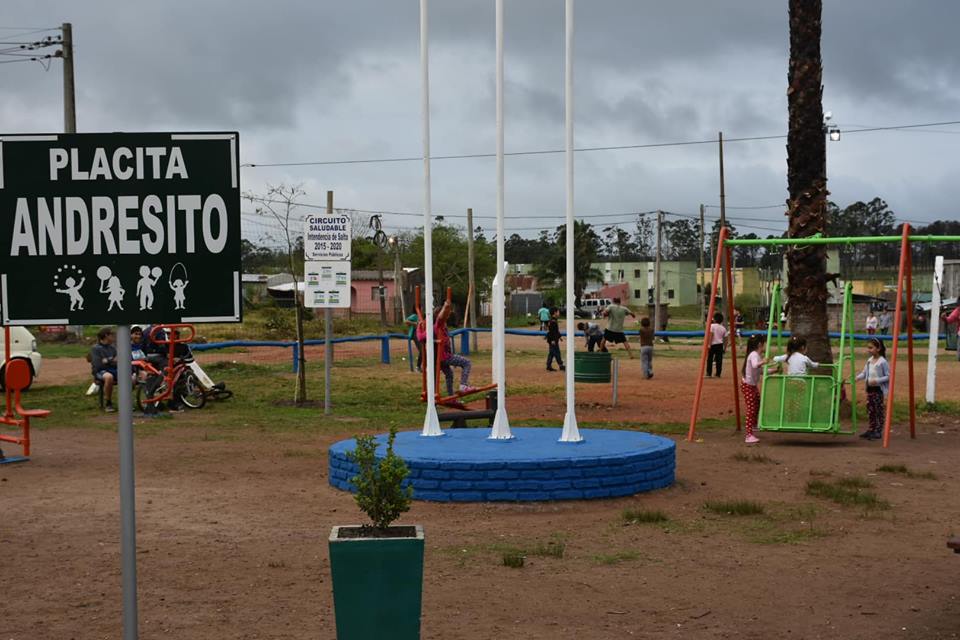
{"points": [[501, 426], [571, 433]]}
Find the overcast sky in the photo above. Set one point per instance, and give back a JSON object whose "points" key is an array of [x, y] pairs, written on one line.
{"points": [[316, 80]]}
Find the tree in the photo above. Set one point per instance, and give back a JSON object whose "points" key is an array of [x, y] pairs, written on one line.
{"points": [[806, 179], [518, 250], [450, 261], [645, 237], [682, 239], [280, 203], [618, 245], [552, 264]]}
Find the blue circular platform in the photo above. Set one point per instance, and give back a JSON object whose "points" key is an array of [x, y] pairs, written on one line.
{"points": [[465, 466]]}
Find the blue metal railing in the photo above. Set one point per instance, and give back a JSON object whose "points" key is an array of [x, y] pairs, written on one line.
{"points": [[465, 340]]}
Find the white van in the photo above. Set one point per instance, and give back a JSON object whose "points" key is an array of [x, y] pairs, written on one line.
{"points": [[595, 306], [22, 345]]}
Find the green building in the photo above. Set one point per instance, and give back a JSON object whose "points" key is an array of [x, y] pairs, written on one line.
{"points": [[678, 281]]}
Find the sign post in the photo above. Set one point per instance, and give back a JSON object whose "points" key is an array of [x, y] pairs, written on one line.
{"points": [[120, 228], [326, 253]]}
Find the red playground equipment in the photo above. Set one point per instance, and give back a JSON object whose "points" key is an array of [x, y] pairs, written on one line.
{"points": [[178, 380], [454, 400], [16, 379]]}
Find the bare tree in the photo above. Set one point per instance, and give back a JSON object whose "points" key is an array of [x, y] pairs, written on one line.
{"points": [[280, 203]]}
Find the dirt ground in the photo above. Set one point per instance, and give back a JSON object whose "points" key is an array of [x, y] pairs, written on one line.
{"points": [[232, 531]]}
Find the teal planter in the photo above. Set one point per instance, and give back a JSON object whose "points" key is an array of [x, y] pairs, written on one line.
{"points": [[377, 585], [592, 366]]}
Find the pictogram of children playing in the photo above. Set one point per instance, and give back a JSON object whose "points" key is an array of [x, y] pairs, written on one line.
{"points": [[179, 297], [145, 286], [72, 289], [115, 292]]}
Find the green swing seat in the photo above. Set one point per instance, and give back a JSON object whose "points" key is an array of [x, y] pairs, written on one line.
{"points": [[807, 403]]}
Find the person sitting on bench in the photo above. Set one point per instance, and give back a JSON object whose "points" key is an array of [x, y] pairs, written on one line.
{"points": [[103, 364]]}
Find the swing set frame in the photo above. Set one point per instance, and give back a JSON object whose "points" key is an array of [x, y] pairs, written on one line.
{"points": [[724, 264]]}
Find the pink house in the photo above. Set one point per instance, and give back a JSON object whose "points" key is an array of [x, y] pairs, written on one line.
{"points": [[364, 291]]}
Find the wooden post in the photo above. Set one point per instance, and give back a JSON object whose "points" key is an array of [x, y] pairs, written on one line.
{"points": [[472, 290]]}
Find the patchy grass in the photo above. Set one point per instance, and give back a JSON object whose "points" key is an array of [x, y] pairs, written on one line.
{"points": [[758, 458], [551, 549], [617, 557], [852, 491], [901, 469], [512, 559], [643, 516], [734, 507]]}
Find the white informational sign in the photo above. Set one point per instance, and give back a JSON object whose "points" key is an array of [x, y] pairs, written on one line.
{"points": [[327, 284], [326, 236]]}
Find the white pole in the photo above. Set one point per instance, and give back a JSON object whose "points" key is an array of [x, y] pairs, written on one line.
{"points": [[934, 331], [431, 423], [501, 424], [570, 431]]}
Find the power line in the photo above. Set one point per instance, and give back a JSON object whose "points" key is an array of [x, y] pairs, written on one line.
{"points": [[468, 156]]}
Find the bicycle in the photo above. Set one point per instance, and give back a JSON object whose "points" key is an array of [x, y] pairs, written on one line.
{"points": [[177, 380]]}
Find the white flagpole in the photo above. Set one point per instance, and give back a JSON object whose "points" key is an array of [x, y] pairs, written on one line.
{"points": [[431, 423], [501, 424], [571, 433]]}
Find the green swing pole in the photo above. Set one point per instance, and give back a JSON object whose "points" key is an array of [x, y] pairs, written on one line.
{"points": [[853, 370], [774, 320]]}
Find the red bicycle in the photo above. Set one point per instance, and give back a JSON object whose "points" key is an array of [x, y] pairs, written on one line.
{"points": [[177, 380]]}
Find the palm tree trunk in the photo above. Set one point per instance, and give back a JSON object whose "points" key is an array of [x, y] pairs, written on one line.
{"points": [[806, 180]]}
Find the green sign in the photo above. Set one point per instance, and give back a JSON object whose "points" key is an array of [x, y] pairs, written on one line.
{"points": [[119, 228]]}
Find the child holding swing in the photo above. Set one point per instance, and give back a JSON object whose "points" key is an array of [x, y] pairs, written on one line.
{"points": [[877, 374], [749, 385], [796, 357]]}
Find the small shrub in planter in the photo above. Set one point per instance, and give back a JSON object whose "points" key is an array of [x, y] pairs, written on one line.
{"points": [[376, 562], [380, 491]]}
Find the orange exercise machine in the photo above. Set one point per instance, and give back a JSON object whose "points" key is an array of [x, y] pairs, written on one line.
{"points": [[453, 401], [16, 379]]}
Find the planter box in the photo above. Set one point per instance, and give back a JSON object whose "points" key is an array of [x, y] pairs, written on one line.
{"points": [[377, 584]]}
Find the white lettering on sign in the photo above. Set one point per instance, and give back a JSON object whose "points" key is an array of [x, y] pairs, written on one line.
{"points": [[121, 226], [122, 165]]}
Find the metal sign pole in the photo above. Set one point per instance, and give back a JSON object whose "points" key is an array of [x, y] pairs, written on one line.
{"points": [[128, 511]]}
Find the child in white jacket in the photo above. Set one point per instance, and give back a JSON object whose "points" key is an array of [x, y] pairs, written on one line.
{"points": [[796, 357], [877, 374]]}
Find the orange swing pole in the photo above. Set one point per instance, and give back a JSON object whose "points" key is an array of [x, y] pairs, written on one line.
{"points": [[706, 335], [904, 251], [728, 255], [913, 401]]}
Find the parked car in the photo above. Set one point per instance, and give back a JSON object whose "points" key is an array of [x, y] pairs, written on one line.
{"points": [[594, 306], [578, 312], [24, 346]]}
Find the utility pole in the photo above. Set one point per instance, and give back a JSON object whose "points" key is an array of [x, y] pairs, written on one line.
{"points": [[399, 304], [381, 290], [723, 219], [69, 95], [700, 282], [472, 284], [656, 274]]}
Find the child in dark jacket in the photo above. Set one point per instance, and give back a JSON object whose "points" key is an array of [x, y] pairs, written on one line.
{"points": [[553, 341]]}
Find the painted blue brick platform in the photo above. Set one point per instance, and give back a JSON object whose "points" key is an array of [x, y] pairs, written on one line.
{"points": [[464, 466]]}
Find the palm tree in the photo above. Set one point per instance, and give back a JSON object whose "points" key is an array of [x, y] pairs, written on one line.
{"points": [[807, 180]]}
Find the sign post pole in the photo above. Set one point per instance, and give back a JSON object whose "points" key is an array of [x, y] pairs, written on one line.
{"points": [[128, 509], [327, 277]]}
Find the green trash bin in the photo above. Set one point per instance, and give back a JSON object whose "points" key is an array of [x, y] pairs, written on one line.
{"points": [[951, 337], [592, 366]]}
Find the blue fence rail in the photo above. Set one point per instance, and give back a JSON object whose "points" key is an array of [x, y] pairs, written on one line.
{"points": [[464, 335]]}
